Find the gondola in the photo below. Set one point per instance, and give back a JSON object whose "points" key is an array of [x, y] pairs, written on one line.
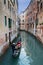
{"points": [[16, 48]]}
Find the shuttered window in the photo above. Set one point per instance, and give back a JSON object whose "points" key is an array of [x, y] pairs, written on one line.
{"points": [[9, 23]]}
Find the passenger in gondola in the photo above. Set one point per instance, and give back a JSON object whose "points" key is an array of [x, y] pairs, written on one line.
{"points": [[19, 45]]}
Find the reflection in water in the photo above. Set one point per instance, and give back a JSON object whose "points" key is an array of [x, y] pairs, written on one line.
{"points": [[33, 48], [24, 58], [31, 52]]}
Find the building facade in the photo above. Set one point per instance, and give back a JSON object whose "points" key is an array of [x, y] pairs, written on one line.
{"points": [[34, 16], [8, 19], [40, 18], [31, 16], [22, 21]]}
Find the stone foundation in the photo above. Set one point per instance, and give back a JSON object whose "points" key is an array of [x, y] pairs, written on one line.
{"points": [[3, 48]]}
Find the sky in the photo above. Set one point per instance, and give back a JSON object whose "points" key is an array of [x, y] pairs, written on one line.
{"points": [[22, 5]]}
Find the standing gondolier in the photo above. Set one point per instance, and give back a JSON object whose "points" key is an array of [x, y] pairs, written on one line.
{"points": [[13, 47]]}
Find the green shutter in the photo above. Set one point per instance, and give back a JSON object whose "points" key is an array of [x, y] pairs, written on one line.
{"points": [[9, 22]]}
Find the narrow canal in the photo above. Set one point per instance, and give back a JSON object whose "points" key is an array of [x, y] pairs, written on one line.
{"points": [[31, 52]]}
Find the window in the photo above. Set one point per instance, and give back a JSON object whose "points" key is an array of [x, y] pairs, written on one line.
{"points": [[4, 1], [10, 7], [14, 1], [5, 21], [6, 37], [41, 6], [8, 4], [30, 19], [9, 22], [22, 23], [23, 20]]}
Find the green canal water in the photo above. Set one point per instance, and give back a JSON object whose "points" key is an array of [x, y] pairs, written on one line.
{"points": [[31, 52]]}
